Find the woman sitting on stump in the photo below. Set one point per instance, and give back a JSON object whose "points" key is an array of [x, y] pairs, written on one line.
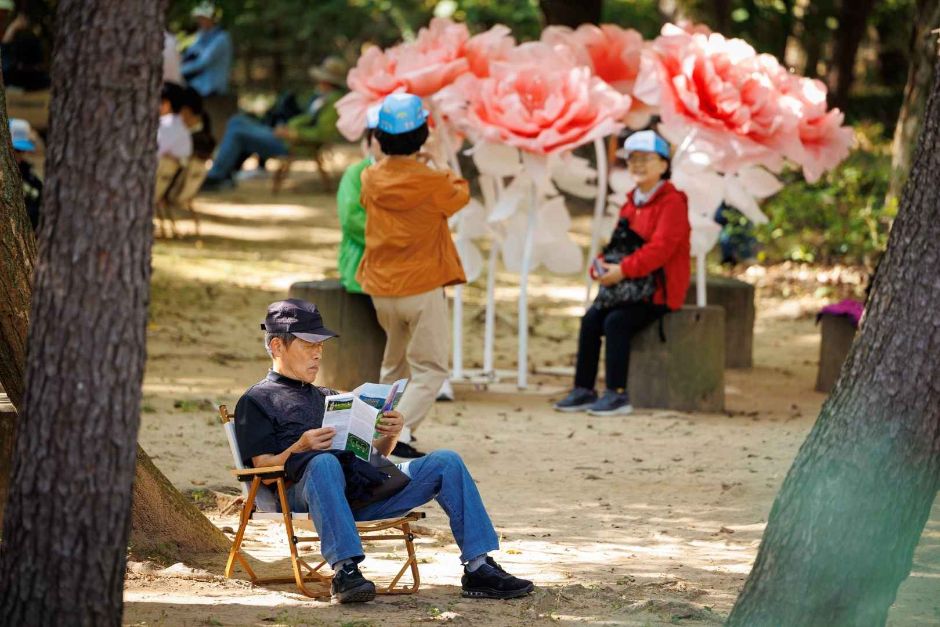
{"points": [[643, 274]]}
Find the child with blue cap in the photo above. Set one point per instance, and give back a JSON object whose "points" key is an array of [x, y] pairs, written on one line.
{"points": [[410, 257], [23, 146], [644, 273]]}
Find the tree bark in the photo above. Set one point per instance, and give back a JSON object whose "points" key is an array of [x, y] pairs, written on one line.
{"points": [[65, 531], [842, 532], [17, 253], [573, 14], [919, 82], [853, 19], [165, 526]]}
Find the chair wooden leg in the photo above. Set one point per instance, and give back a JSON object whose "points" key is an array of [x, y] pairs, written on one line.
{"points": [[296, 561], [325, 178], [277, 181], [235, 552]]}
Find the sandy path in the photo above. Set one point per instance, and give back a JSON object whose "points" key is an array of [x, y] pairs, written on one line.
{"points": [[649, 519]]}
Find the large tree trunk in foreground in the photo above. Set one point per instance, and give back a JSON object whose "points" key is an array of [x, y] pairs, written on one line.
{"points": [[165, 526], [573, 14], [919, 82], [17, 253], [65, 532], [853, 19], [842, 532]]}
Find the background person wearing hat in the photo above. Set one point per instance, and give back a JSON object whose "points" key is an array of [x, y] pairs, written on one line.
{"points": [[352, 215], [23, 147], [278, 421], [207, 62], [658, 213], [315, 123], [410, 257]]}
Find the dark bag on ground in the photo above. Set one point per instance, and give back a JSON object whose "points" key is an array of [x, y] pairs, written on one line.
{"points": [[623, 243]]}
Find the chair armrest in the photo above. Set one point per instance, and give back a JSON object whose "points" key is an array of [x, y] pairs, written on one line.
{"points": [[265, 472]]}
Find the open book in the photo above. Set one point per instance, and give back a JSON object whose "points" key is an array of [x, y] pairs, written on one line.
{"points": [[355, 414]]}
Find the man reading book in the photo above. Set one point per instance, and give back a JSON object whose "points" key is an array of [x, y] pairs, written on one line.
{"points": [[278, 421]]}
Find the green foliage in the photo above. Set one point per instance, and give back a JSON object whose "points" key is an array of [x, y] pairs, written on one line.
{"points": [[642, 15], [841, 218]]}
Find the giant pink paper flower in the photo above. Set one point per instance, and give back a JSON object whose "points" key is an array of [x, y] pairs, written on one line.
{"points": [[538, 99], [483, 49], [435, 59], [369, 82], [721, 89]]}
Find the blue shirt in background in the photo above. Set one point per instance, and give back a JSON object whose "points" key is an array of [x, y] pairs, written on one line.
{"points": [[207, 63]]}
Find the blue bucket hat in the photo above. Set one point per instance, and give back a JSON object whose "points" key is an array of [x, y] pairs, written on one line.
{"points": [[401, 113], [20, 135], [372, 116], [646, 141]]}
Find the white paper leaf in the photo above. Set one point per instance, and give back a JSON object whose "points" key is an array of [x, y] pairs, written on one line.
{"points": [[759, 182], [562, 257], [705, 190], [496, 159], [509, 198], [705, 234], [554, 221], [470, 258], [472, 221], [740, 199], [574, 175]]}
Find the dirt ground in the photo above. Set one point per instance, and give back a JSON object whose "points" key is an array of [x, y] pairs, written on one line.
{"points": [[650, 519]]}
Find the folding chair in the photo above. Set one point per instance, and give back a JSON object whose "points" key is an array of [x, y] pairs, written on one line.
{"points": [[184, 188], [300, 149], [260, 504], [168, 170]]}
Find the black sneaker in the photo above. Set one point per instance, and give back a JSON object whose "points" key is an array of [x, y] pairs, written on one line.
{"points": [[406, 451], [490, 581], [612, 403], [578, 399], [349, 586]]}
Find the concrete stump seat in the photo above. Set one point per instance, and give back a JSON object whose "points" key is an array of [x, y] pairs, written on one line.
{"points": [[686, 372], [737, 299], [356, 356], [838, 333]]}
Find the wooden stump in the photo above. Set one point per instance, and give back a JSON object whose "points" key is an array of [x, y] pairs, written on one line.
{"points": [[838, 333], [686, 372], [737, 299], [356, 356]]}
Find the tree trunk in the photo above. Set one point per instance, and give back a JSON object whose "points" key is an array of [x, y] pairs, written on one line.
{"points": [[165, 526], [842, 532], [919, 82], [17, 252], [853, 19], [721, 10], [67, 519], [573, 14]]}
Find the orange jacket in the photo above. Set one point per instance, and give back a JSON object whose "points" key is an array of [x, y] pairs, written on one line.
{"points": [[409, 249]]}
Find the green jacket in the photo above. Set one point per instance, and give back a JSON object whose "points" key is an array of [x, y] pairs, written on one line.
{"points": [[352, 222], [319, 129]]}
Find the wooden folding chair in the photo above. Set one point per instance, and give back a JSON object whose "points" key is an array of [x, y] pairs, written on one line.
{"points": [[184, 188], [168, 171], [300, 149], [259, 504]]}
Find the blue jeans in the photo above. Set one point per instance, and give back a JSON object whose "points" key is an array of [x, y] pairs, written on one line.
{"points": [[441, 475], [244, 136]]}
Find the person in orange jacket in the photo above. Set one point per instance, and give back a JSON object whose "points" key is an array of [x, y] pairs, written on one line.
{"points": [[656, 215], [410, 257]]}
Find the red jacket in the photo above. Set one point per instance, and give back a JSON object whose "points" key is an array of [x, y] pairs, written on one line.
{"points": [[664, 223]]}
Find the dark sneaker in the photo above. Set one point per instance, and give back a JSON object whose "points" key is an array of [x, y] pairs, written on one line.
{"points": [[490, 581], [349, 586], [578, 399], [612, 403], [406, 451]]}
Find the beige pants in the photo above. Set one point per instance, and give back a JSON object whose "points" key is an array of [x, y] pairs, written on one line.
{"points": [[418, 347]]}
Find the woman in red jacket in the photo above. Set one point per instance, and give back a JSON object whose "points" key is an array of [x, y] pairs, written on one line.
{"points": [[658, 213]]}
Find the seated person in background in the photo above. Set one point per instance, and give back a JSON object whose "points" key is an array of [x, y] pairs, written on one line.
{"points": [[23, 146], [658, 214], [352, 215], [197, 121], [245, 135], [21, 55], [278, 421], [207, 62], [173, 138]]}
